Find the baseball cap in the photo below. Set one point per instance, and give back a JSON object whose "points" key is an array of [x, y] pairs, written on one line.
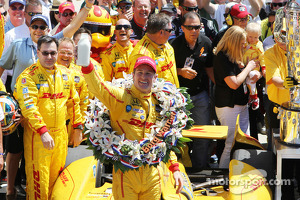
{"points": [[56, 4], [40, 17], [66, 6], [23, 2], [145, 60], [239, 11], [170, 8], [124, 1]]}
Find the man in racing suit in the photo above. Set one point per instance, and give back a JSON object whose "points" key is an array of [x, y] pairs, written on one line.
{"points": [[133, 111], [44, 90], [65, 57], [115, 59], [155, 45]]}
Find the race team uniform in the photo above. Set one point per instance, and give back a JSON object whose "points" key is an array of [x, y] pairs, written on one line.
{"points": [[115, 61], [132, 113], [162, 54], [81, 88], [43, 96], [276, 66]]}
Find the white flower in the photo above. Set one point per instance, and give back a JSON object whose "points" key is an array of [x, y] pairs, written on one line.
{"points": [[151, 156], [135, 152], [149, 136], [106, 146]]}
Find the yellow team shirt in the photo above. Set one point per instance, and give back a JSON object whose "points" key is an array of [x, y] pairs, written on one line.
{"points": [[162, 54], [115, 61], [276, 66], [254, 52]]}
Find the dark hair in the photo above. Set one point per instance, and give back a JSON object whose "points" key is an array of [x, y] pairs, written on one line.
{"points": [[46, 39], [272, 13], [157, 22], [32, 3], [181, 2], [82, 30], [190, 15], [1, 5]]}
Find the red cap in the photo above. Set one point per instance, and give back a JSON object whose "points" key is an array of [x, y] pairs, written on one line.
{"points": [[239, 11], [66, 6], [146, 61]]}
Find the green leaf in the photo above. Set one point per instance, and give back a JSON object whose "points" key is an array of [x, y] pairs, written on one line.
{"points": [[185, 139]]}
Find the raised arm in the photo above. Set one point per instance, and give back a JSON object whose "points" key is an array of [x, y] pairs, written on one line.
{"points": [[208, 6], [256, 5], [78, 20]]}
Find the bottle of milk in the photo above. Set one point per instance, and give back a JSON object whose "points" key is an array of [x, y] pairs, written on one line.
{"points": [[83, 50]]}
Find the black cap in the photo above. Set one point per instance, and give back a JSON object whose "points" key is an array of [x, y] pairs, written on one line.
{"points": [[170, 8]]}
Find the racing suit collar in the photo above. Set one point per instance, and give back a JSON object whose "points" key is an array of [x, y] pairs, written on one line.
{"points": [[47, 71], [135, 92], [123, 49]]}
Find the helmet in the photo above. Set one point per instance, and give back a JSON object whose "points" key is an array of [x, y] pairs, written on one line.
{"points": [[9, 106], [99, 23]]}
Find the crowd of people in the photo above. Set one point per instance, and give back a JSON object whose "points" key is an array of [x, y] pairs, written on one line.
{"points": [[224, 53]]}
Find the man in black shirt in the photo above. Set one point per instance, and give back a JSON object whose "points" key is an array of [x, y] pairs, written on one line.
{"points": [[141, 12], [191, 5], [193, 55]]}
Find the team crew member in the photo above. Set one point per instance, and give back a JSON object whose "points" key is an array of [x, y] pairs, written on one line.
{"points": [[65, 57], [44, 90], [115, 59], [155, 45], [97, 66], [194, 57], [144, 183]]}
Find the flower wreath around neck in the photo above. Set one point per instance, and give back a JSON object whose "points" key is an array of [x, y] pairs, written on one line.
{"points": [[165, 135]]}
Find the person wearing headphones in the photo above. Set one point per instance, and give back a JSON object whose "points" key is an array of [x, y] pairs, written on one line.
{"points": [[237, 15]]}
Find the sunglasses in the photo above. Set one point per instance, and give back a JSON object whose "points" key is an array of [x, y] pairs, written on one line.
{"points": [[31, 14], [46, 53], [4, 13], [281, 4], [66, 14], [56, 12], [125, 26], [246, 19], [17, 8], [190, 27], [168, 29], [104, 30], [127, 7], [35, 27], [190, 8]]}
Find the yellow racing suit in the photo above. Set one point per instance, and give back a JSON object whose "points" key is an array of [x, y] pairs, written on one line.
{"points": [[162, 54], [43, 96], [81, 88], [276, 66], [132, 113], [115, 61]]}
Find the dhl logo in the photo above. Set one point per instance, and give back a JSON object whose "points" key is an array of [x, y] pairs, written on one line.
{"points": [[166, 67], [138, 123], [52, 96], [36, 179], [63, 177], [123, 69]]}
